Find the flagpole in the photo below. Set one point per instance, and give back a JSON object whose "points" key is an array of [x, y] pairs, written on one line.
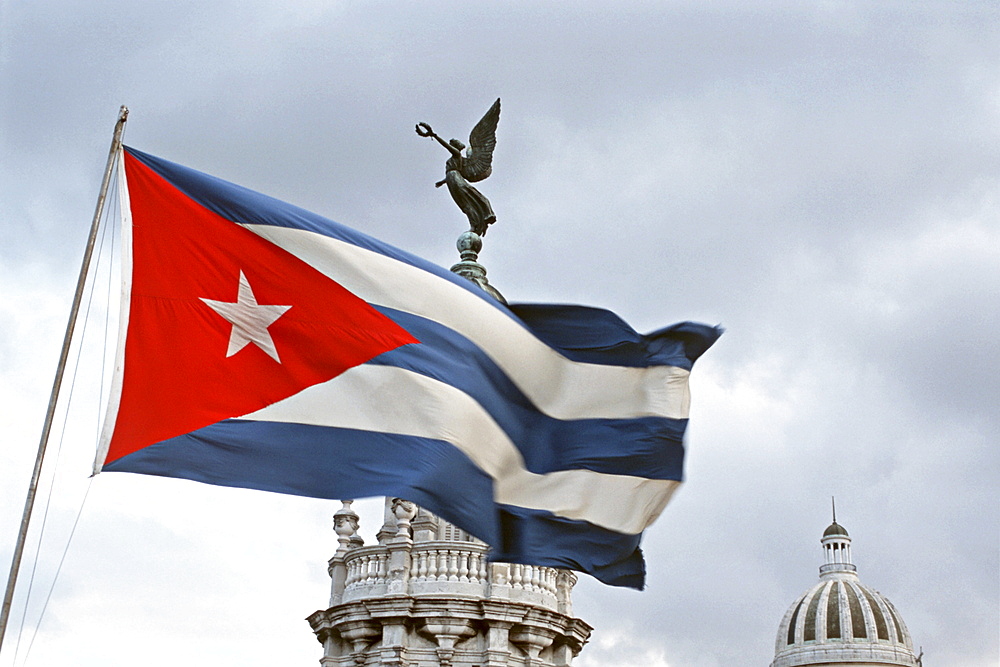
{"points": [[29, 502]]}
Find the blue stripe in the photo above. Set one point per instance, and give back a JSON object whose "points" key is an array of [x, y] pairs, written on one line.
{"points": [[650, 447], [598, 336], [335, 463], [324, 462], [537, 537], [242, 205]]}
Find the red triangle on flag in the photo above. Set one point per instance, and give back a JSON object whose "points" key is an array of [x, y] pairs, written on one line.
{"points": [[184, 367]]}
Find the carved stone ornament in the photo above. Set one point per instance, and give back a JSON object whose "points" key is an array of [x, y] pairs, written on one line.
{"points": [[345, 525], [404, 511]]}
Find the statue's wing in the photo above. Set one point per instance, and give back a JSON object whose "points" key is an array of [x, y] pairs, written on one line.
{"points": [[479, 162]]}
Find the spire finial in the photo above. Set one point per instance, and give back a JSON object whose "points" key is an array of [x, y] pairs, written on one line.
{"points": [[833, 503]]}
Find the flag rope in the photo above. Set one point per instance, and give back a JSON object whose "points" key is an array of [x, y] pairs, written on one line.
{"points": [[29, 501], [92, 290], [62, 559]]}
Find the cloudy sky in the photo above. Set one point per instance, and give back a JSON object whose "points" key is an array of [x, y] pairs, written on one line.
{"points": [[821, 178]]}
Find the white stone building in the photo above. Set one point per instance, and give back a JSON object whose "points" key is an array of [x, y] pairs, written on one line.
{"points": [[840, 622], [425, 596]]}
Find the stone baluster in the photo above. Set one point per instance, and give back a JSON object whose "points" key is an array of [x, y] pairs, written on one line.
{"points": [[352, 574], [463, 566], [533, 574], [483, 568], [361, 571], [424, 561], [432, 565], [414, 566], [383, 567], [516, 575]]}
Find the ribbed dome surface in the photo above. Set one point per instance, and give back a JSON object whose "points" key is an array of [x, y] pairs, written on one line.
{"points": [[840, 621]]}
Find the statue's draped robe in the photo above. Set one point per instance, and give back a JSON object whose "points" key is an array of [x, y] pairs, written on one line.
{"points": [[472, 202]]}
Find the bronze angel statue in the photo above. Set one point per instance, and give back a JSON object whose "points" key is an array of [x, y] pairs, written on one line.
{"points": [[475, 165]]}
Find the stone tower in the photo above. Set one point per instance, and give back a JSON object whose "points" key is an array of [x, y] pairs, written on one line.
{"points": [[425, 595]]}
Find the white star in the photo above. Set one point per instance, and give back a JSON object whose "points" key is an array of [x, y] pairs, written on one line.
{"points": [[249, 319]]}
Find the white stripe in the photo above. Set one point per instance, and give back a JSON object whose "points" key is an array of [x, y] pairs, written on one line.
{"points": [[558, 387], [115, 395], [392, 400]]}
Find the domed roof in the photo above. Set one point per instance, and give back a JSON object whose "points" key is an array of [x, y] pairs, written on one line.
{"points": [[840, 621], [835, 529]]}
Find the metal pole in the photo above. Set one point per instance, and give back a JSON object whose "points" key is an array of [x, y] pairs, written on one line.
{"points": [[29, 502]]}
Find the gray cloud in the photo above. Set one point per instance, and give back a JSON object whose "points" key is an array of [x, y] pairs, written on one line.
{"points": [[822, 179]]}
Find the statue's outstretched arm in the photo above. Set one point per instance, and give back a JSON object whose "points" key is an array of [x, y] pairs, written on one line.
{"points": [[424, 130]]}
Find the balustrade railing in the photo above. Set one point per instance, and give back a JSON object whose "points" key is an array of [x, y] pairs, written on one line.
{"points": [[449, 561], [533, 578], [458, 568], [368, 566]]}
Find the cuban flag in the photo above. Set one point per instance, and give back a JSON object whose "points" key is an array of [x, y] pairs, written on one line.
{"points": [[267, 347]]}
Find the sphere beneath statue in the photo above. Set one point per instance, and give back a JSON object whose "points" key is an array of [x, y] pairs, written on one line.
{"points": [[469, 242]]}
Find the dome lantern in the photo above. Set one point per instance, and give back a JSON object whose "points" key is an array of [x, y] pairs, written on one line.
{"points": [[836, 550]]}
